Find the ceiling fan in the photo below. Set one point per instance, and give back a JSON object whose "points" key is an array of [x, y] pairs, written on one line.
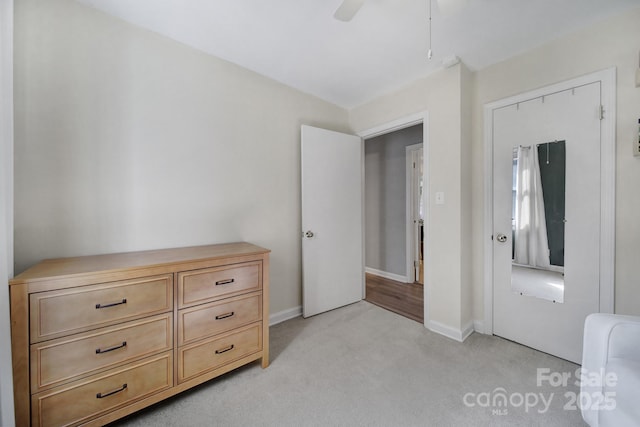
{"points": [[349, 8]]}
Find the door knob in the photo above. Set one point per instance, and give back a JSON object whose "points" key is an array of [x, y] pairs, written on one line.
{"points": [[309, 234], [501, 238]]}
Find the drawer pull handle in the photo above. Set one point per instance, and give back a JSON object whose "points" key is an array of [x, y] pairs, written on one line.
{"points": [[224, 350], [118, 390], [111, 304], [224, 316], [108, 349], [225, 282]]}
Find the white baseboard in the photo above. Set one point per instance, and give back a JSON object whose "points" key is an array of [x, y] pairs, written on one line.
{"points": [[386, 275], [455, 334], [478, 326], [283, 315], [468, 330]]}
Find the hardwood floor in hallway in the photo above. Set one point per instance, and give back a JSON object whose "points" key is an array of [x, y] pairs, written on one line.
{"points": [[406, 299]]}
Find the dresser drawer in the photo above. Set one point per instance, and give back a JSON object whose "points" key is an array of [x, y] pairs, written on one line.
{"points": [[214, 318], [200, 286], [80, 401], [60, 313], [58, 361], [205, 356]]}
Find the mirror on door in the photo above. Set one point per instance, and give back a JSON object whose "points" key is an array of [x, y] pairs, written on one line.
{"points": [[538, 220]]}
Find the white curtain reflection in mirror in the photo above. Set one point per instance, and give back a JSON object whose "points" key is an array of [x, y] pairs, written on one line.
{"points": [[538, 221], [530, 244]]}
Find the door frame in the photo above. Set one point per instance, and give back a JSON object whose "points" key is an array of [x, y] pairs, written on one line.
{"points": [[399, 124], [607, 79], [412, 244]]}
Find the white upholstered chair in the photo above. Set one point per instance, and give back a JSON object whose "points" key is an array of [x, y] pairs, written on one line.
{"points": [[612, 354]]}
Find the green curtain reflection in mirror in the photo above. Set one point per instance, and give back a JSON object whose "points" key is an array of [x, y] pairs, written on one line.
{"points": [[552, 173]]}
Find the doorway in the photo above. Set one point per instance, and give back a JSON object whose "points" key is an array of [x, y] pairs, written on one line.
{"points": [[550, 213], [394, 220]]}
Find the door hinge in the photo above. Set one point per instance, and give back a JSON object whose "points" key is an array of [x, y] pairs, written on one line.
{"points": [[601, 112]]}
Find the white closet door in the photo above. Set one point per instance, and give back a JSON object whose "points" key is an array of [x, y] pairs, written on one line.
{"points": [[571, 116]]}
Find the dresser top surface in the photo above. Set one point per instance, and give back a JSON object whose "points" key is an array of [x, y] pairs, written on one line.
{"points": [[64, 267]]}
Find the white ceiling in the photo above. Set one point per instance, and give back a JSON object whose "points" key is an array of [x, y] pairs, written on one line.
{"points": [[299, 43]]}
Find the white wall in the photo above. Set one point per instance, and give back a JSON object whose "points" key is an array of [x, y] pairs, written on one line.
{"points": [[440, 94], [6, 207], [385, 169], [126, 140], [611, 43]]}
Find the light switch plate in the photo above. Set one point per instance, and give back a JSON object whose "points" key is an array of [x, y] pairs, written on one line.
{"points": [[440, 198]]}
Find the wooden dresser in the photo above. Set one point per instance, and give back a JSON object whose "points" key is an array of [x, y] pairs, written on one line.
{"points": [[96, 338]]}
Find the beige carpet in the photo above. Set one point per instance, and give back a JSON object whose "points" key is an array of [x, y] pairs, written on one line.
{"points": [[364, 366]]}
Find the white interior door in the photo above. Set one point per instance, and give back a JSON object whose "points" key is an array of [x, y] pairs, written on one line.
{"points": [[332, 245], [553, 325], [415, 213]]}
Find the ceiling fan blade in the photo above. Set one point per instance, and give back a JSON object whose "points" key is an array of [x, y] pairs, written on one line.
{"points": [[450, 7], [348, 10]]}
